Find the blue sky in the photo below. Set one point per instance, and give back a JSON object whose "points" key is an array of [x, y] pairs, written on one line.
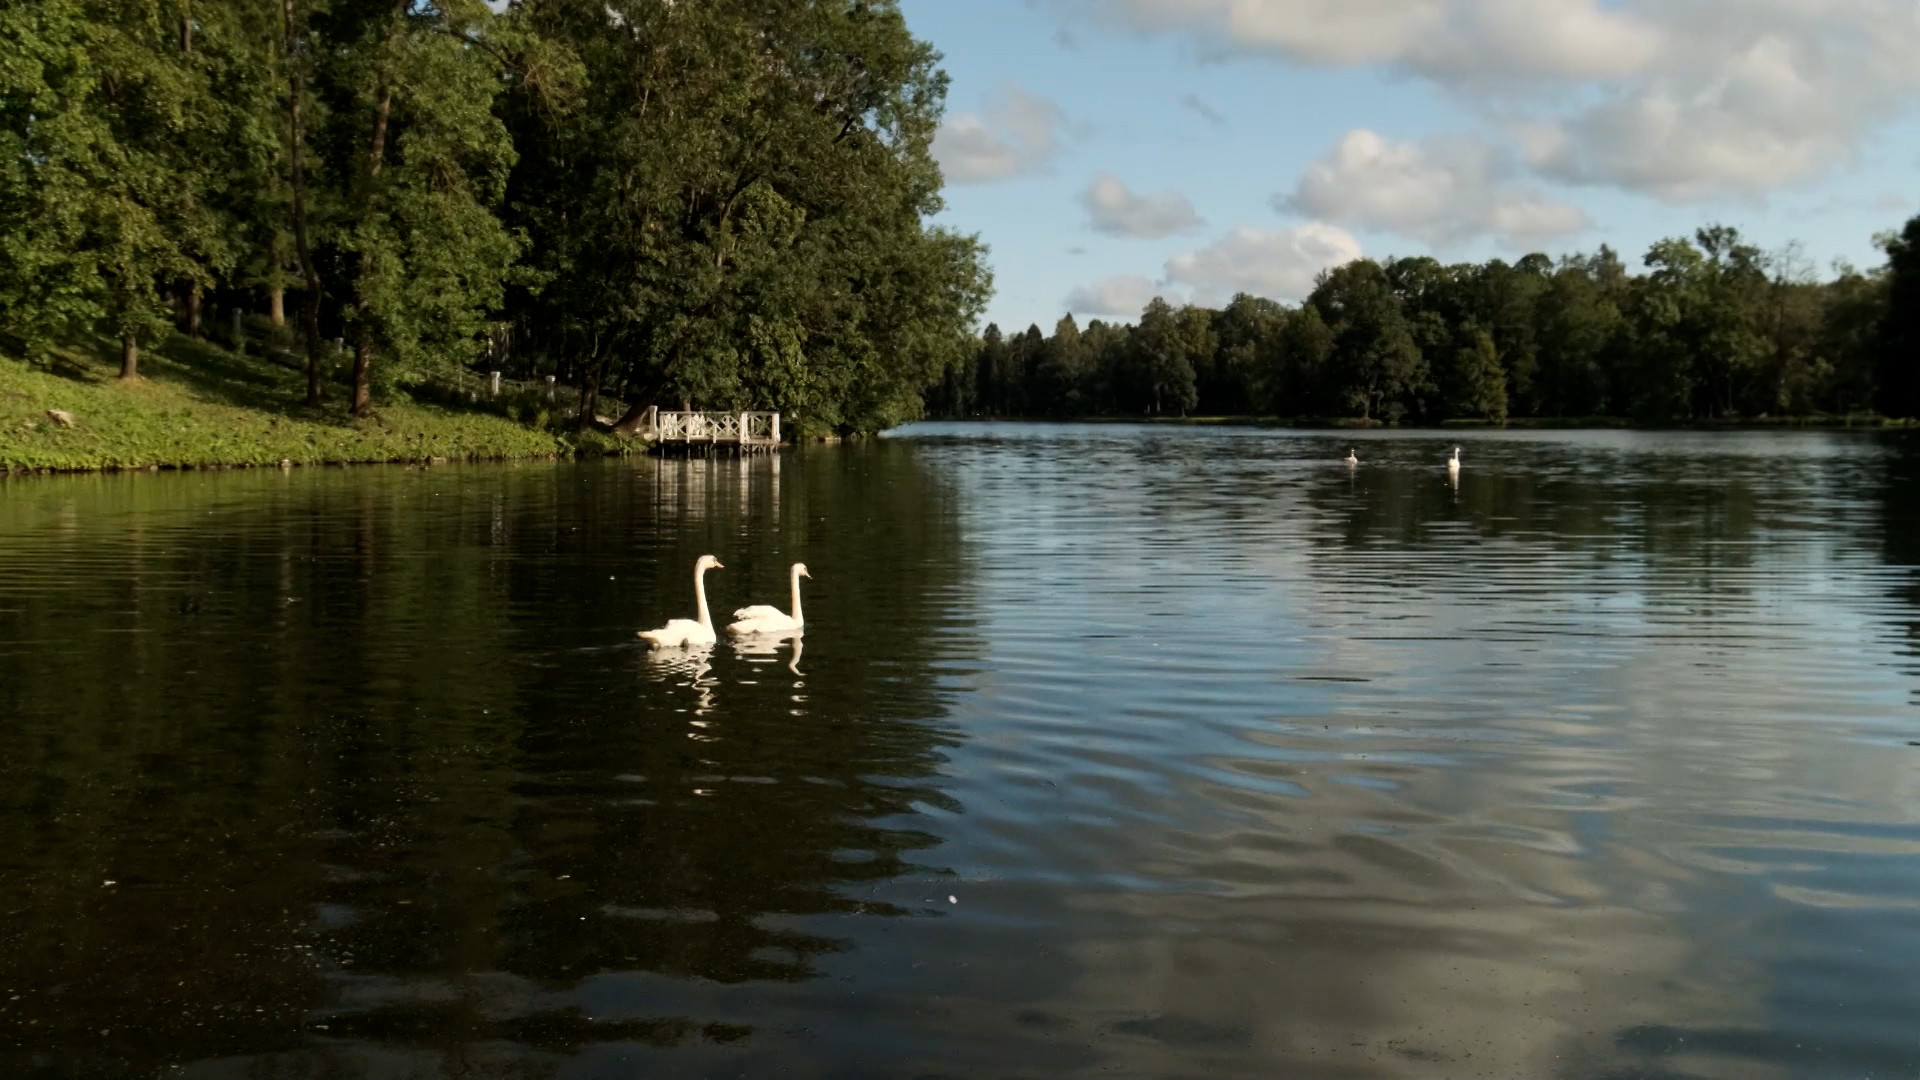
{"points": [[1111, 150]]}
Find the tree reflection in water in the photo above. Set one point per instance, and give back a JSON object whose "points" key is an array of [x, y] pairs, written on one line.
{"points": [[373, 759]]}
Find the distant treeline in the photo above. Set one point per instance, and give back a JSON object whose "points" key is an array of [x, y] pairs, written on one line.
{"points": [[725, 201], [1714, 328]]}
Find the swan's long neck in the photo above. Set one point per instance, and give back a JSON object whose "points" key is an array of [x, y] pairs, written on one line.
{"points": [[700, 597], [796, 594]]}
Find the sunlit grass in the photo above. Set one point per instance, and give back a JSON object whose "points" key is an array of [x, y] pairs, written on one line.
{"points": [[197, 405]]}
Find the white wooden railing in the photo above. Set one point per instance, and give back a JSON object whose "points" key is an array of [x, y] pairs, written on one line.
{"points": [[734, 427]]}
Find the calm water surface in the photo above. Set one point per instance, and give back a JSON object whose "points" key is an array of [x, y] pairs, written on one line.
{"points": [[1108, 751]]}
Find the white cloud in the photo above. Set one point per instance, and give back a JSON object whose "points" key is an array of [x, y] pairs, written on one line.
{"points": [[1123, 296], [1114, 210], [1279, 264], [1478, 39], [1441, 192], [1017, 133], [1680, 99], [1760, 111]]}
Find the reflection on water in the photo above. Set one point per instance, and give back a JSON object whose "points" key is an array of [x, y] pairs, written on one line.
{"points": [[1116, 751]]}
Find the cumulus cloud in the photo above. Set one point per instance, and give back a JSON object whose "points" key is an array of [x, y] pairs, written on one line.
{"points": [[1573, 39], [1441, 192], [1015, 134], [1279, 264], [1123, 296], [1116, 211], [1680, 99], [1761, 112]]}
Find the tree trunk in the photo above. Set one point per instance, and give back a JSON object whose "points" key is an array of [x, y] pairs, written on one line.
{"points": [[630, 421], [277, 306], [589, 398], [193, 311], [362, 367], [310, 315], [129, 357], [362, 302]]}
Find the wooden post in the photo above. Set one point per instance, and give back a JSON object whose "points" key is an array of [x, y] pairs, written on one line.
{"points": [[493, 384], [550, 381], [653, 418], [776, 427]]}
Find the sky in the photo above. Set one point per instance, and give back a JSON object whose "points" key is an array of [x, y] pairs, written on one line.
{"points": [[1108, 151]]}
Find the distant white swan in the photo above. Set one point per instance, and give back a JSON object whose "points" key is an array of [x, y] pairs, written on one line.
{"points": [[767, 619], [1453, 463], [680, 633], [1352, 457]]}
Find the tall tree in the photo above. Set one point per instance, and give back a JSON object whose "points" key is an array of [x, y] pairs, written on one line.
{"points": [[1375, 363], [421, 164], [1899, 367], [1165, 344], [1235, 382], [1060, 383], [738, 164]]}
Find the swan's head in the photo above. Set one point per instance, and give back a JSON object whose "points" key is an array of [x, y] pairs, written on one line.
{"points": [[707, 562], [800, 570]]}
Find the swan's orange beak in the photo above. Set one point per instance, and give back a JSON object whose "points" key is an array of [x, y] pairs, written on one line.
{"points": [[718, 565]]}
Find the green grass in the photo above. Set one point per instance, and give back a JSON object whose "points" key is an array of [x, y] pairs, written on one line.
{"points": [[198, 406]]}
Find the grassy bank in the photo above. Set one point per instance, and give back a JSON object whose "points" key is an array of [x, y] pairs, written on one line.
{"points": [[197, 406]]}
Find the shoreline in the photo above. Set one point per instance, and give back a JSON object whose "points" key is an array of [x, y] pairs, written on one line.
{"points": [[200, 407], [1575, 423]]}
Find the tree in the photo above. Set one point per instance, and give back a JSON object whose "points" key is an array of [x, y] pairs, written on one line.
{"points": [[97, 213], [990, 370], [1578, 325], [1164, 346], [1505, 302], [734, 165], [1059, 383], [1374, 363], [411, 88], [1299, 383], [1899, 367], [1472, 383], [1854, 306], [1236, 381]]}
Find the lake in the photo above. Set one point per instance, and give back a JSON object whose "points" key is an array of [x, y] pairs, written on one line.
{"points": [[1109, 750]]}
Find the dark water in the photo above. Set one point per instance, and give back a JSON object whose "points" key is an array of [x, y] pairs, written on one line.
{"points": [[1110, 752]]}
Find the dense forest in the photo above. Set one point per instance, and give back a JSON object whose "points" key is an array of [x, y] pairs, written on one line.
{"points": [[1713, 328], [725, 201]]}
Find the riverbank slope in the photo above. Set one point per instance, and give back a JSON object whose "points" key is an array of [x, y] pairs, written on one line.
{"points": [[197, 406]]}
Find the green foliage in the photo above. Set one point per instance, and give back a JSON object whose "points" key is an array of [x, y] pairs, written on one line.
{"points": [[726, 202], [1375, 364], [1166, 343], [733, 209], [1714, 330], [1473, 384]]}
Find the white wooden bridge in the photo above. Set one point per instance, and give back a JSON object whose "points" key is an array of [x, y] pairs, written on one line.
{"points": [[708, 431]]}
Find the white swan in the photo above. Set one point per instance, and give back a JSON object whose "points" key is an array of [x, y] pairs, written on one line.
{"points": [[767, 619], [1352, 457], [1453, 463], [680, 633]]}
